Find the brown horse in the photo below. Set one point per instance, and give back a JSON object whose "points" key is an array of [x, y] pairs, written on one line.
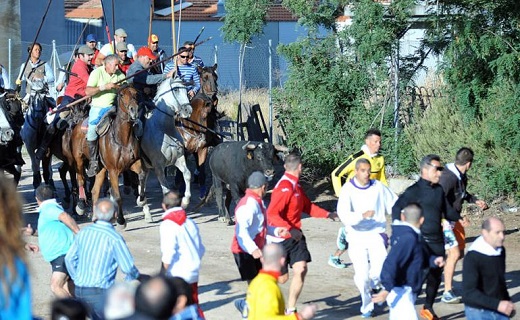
{"points": [[118, 151]]}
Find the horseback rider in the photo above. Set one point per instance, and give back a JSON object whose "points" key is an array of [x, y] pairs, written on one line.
{"points": [[186, 71], [153, 44], [75, 89], [102, 87], [193, 59], [119, 36], [145, 82], [38, 76]]}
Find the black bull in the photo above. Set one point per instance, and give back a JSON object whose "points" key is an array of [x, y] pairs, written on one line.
{"points": [[231, 164]]}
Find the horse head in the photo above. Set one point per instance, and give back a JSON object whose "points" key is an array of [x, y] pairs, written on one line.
{"points": [[127, 102], [174, 94], [208, 80]]}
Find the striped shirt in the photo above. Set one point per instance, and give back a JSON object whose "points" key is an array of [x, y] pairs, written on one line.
{"points": [[188, 74], [96, 253]]}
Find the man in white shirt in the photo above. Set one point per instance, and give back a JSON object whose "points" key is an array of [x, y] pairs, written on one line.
{"points": [[361, 207], [108, 49]]}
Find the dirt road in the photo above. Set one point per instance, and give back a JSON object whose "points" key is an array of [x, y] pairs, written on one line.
{"points": [[331, 289]]}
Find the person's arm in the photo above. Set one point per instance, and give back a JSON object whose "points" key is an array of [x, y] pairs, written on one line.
{"points": [[82, 72], [244, 215], [382, 175], [69, 222], [92, 91], [343, 170], [49, 75], [71, 260], [168, 244], [125, 260], [345, 210], [280, 198], [103, 52], [399, 205], [196, 81]]}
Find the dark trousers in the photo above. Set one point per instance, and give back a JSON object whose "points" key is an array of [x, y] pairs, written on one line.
{"points": [[95, 299], [434, 276]]}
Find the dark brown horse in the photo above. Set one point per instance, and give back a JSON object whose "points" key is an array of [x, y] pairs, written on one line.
{"points": [[118, 150]]}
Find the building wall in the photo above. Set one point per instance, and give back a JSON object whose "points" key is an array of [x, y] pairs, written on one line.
{"points": [[10, 29]]}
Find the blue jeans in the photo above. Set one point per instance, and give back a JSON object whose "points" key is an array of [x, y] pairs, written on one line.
{"points": [[483, 314], [94, 116], [95, 299]]}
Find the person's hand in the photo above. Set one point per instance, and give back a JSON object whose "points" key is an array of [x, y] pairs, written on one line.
{"points": [[439, 262], [110, 86], [506, 307], [332, 216], [32, 248], [59, 87], [28, 231], [257, 254], [170, 74], [296, 234], [464, 221], [380, 296], [191, 93], [308, 311], [482, 204], [368, 214], [282, 232]]}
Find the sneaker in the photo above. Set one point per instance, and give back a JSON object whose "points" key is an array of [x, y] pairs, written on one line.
{"points": [[428, 314], [241, 306], [450, 297], [369, 314], [290, 311], [336, 262]]}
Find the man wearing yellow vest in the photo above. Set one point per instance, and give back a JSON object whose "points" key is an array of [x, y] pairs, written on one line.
{"points": [[345, 171]]}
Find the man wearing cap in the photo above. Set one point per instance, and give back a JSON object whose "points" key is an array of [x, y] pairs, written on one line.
{"points": [[186, 71], [75, 89], [251, 230], [153, 44], [193, 59], [102, 87], [124, 61], [119, 36], [145, 82], [91, 42]]}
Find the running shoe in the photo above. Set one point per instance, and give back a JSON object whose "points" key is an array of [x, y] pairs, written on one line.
{"points": [[450, 297], [336, 262], [428, 314]]}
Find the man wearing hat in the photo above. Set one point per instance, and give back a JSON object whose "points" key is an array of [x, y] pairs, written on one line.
{"points": [[91, 42], [153, 44], [74, 90], [119, 36], [124, 61], [145, 82], [251, 230]]}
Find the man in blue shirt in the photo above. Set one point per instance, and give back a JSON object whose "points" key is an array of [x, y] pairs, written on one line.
{"points": [[56, 231], [94, 257], [186, 71]]}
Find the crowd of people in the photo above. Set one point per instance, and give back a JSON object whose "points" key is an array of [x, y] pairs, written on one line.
{"points": [[426, 242]]}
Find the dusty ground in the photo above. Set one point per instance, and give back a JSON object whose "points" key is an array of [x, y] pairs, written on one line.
{"points": [[331, 289]]}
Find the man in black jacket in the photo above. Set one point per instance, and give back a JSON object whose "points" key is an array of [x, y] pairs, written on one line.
{"points": [[430, 196], [454, 181], [483, 275]]}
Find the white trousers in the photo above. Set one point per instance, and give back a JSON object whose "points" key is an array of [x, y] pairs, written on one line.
{"points": [[367, 252], [401, 301]]}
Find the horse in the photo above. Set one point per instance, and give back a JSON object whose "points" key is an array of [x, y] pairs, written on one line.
{"points": [[208, 82], [160, 143], [118, 151], [33, 131], [11, 114]]}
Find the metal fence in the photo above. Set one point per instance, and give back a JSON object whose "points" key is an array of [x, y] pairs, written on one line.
{"points": [[262, 66]]}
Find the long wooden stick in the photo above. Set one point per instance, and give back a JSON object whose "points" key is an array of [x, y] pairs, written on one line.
{"points": [[173, 27], [150, 24]]}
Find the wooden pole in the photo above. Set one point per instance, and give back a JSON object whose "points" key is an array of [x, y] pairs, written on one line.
{"points": [[173, 27], [150, 24]]}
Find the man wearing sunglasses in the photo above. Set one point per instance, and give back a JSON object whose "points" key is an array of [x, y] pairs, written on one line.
{"points": [[430, 196], [186, 71], [193, 59]]}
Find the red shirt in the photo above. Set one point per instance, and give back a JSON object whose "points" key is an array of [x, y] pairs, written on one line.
{"points": [[125, 65], [96, 52], [288, 202], [78, 84]]}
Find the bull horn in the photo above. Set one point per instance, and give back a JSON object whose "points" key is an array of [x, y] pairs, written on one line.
{"points": [[249, 146]]}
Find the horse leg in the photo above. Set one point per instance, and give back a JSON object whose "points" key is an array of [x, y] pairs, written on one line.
{"points": [[142, 174], [159, 172], [96, 189], [35, 166], [82, 201], [116, 196], [181, 165], [47, 171], [63, 169]]}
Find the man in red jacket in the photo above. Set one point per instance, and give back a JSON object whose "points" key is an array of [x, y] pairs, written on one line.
{"points": [[288, 202]]}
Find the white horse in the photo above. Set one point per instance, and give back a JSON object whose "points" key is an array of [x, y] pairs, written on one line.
{"points": [[161, 144]]}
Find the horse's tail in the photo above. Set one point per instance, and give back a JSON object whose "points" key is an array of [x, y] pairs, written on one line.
{"points": [[205, 200]]}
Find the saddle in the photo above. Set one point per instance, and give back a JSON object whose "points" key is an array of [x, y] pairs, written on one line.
{"points": [[103, 125]]}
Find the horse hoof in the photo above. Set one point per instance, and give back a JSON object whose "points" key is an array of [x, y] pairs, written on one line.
{"points": [[120, 227], [127, 190], [147, 216], [141, 203], [185, 202], [80, 211]]}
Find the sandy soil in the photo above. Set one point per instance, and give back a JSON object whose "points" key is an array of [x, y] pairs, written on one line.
{"points": [[331, 289]]}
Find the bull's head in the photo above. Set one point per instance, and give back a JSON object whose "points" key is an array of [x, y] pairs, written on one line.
{"points": [[263, 155]]}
